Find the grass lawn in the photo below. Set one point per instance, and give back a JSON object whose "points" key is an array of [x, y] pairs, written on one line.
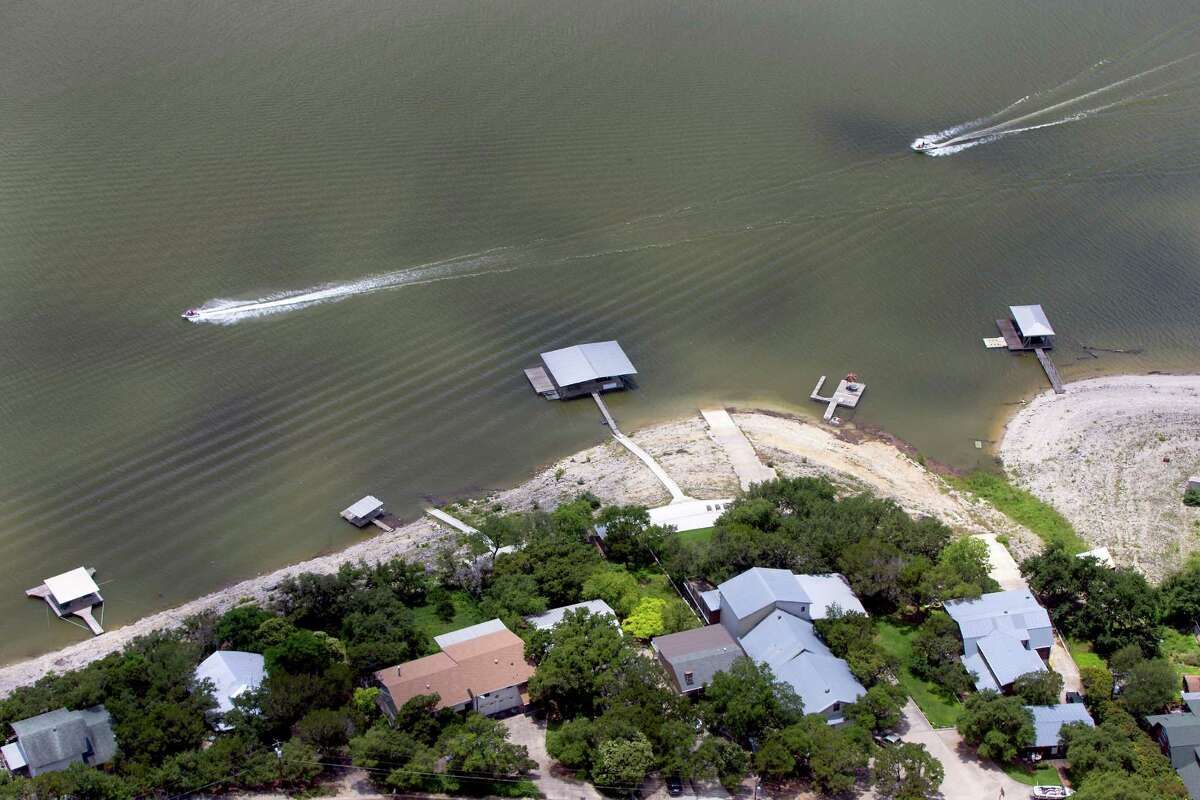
{"points": [[465, 613], [1083, 655], [1182, 650], [939, 707], [1023, 507], [699, 537], [1042, 776]]}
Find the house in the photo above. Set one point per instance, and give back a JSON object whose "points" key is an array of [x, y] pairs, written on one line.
{"points": [[692, 657], [1005, 635], [231, 673], [770, 613], [554, 616], [1047, 726], [1191, 685], [581, 369], [53, 741], [705, 598], [361, 513], [480, 668], [1100, 555], [1179, 737], [1032, 326]]}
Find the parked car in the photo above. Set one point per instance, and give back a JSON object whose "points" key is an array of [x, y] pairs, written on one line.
{"points": [[1050, 792], [887, 738], [674, 785]]}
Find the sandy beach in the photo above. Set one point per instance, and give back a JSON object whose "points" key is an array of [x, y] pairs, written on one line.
{"points": [[1113, 455], [793, 445]]}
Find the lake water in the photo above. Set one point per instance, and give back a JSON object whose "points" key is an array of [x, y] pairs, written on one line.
{"points": [[726, 188]]}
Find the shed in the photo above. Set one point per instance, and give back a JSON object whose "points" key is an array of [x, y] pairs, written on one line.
{"points": [[549, 619], [361, 513], [581, 369], [1048, 722]]}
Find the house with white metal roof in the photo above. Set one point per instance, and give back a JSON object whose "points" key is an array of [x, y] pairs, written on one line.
{"points": [[581, 369], [554, 616], [1005, 635], [230, 673], [770, 613]]}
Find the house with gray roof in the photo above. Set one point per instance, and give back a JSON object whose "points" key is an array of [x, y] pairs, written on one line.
{"points": [[1048, 722], [1179, 737], [53, 741], [1005, 635], [770, 613], [693, 657]]}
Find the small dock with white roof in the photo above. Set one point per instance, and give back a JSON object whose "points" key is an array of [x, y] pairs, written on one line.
{"points": [[1029, 329], [72, 593]]}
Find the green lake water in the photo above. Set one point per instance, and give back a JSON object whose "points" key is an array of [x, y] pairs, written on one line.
{"points": [[726, 188]]}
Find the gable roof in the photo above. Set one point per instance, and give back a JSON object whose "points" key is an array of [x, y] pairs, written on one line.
{"points": [[1182, 730], [1048, 721], [56, 738], [363, 507], [701, 651], [554, 616], [72, 585], [471, 632], [1014, 612], [587, 362], [760, 587], [476, 665], [1007, 657], [1031, 320], [820, 680], [781, 637], [232, 672]]}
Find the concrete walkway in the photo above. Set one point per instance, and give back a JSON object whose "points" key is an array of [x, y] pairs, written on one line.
{"points": [[453, 522], [1004, 567], [677, 495], [967, 778], [523, 729], [741, 453]]}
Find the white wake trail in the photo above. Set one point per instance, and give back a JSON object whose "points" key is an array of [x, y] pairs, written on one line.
{"points": [[1063, 104], [227, 312]]}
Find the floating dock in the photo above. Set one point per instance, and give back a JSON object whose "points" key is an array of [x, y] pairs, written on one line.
{"points": [[847, 394], [1029, 329]]}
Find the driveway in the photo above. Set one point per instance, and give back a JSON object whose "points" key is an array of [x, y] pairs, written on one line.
{"points": [[967, 778], [552, 781], [1004, 567]]}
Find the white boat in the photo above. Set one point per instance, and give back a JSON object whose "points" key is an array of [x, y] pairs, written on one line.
{"points": [[1049, 792], [924, 145], [190, 313]]}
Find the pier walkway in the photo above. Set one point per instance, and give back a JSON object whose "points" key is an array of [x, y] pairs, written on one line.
{"points": [[677, 495], [453, 522], [745, 461], [1051, 370]]}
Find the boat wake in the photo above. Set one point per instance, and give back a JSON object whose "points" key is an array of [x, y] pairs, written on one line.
{"points": [[229, 312], [996, 126]]}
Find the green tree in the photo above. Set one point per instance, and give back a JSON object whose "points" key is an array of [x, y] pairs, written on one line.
{"points": [[629, 538], [480, 746], [1097, 687], [623, 762], [747, 700], [646, 620], [1150, 687], [721, 759], [302, 652], [1111, 785], [998, 726], [511, 598], [571, 745], [831, 757], [906, 772], [324, 729], [879, 709], [582, 648], [1039, 688], [936, 650], [615, 586], [238, 628]]}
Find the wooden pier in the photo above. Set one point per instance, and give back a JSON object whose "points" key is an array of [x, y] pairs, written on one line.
{"points": [[1051, 370]]}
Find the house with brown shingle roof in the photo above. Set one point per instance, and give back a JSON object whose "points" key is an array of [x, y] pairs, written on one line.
{"points": [[480, 668]]}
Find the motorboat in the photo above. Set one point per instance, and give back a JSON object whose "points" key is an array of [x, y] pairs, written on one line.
{"points": [[1049, 792], [190, 313], [925, 145]]}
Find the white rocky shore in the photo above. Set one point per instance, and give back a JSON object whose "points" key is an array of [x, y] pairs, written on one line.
{"points": [[1113, 455]]}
